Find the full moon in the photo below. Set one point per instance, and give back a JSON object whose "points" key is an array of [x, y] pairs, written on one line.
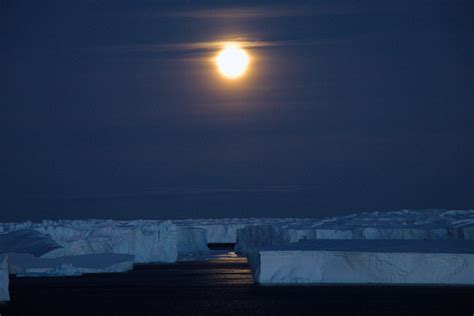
{"points": [[232, 61]]}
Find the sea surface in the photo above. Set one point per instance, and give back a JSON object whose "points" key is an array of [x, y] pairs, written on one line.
{"points": [[221, 285]]}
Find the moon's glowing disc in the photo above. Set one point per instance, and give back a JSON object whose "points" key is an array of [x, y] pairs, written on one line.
{"points": [[232, 61]]}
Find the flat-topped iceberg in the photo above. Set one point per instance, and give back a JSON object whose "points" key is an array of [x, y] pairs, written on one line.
{"points": [[27, 241], [406, 225], [29, 265], [147, 241], [367, 261]]}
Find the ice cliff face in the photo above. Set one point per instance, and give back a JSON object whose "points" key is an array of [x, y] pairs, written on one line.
{"points": [[192, 239], [27, 241], [217, 230], [4, 281], [147, 241], [367, 261], [224, 230]]}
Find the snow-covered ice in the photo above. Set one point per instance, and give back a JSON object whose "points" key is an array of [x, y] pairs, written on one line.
{"points": [[4, 279], [367, 261], [29, 265]]}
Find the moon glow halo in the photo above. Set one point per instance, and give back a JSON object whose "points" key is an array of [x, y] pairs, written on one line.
{"points": [[232, 61]]}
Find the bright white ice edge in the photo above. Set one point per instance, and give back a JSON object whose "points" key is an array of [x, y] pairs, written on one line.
{"points": [[147, 241]]}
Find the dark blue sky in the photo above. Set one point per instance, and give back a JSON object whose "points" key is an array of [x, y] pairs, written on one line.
{"points": [[114, 109]]}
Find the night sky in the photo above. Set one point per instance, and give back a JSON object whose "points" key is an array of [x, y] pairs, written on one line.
{"points": [[115, 109]]}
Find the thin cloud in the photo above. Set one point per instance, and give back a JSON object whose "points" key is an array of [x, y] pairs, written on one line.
{"points": [[215, 45], [180, 49], [253, 12]]}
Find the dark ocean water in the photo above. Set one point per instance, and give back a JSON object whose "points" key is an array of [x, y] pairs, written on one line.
{"points": [[221, 286]]}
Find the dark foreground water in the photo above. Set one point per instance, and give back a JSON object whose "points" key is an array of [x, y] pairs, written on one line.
{"points": [[221, 286]]}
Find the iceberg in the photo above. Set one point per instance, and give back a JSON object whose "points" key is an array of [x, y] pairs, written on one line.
{"points": [[406, 233], [147, 241], [161, 241], [224, 230], [4, 279], [192, 239], [27, 241], [463, 229], [28, 265], [259, 236], [468, 232], [367, 261], [217, 230], [398, 225], [405, 224]]}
